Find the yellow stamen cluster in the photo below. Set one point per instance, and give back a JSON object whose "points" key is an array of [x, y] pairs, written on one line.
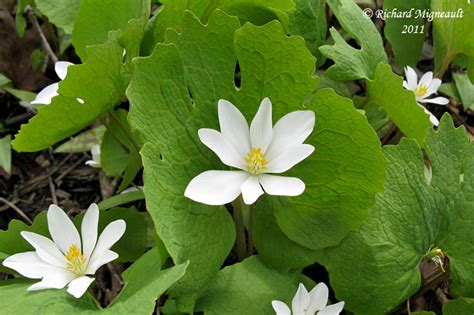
{"points": [[76, 261], [437, 256], [256, 163], [421, 90]]}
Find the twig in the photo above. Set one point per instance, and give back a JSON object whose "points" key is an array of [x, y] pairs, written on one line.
{"points": [[44, 42], [52, 189], [18, 210], [58, 179]]}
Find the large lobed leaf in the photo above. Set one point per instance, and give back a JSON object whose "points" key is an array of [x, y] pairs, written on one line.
{"points": [[100, 82], [352, 63], [377, 267]]}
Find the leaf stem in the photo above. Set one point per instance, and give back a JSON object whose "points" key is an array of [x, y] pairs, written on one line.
{"points": [[114, 135], [130, 137], [446, 61], [239, 228], [250, 232]]}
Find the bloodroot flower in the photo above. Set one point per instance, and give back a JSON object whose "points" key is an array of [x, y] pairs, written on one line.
{"points": [[95, 162], [66, 260], [423, 89], [257, 152], [304, 303]]}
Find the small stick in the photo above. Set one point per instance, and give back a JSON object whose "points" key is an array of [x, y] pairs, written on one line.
{"points": [[44, 42], [52, 189], [18, 210]]}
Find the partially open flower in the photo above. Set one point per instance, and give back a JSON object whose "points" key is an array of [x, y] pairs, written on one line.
{"points": [[424, 89], [66, 260], [309, 303], [95, 162], [257, 152], [45, 96]]}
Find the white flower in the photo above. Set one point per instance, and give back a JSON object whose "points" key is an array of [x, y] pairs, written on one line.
{"points": [[45, 95], [257, 151], [63, 261], [95, 162], [423, 89], [304, 303]]}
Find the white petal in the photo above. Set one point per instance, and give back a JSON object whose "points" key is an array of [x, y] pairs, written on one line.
{"points": [[251, 190], [61, 68], [281, 186], [334, 309], [98, 261], [426, 79], [111, 234], [78, 286], [46, 249], [433, 118], [46, 94], [61, 228], [219, 144], [89, 226], [437, 100], [412, 78], [234, 127], [318, 298], [300, 301], [290, 130], [405, 85], [289, 158], [433, 87], [216, 187], [95, 151], [261, 130], [56, 280], [29, 265], [281, 308], [93, 164]]}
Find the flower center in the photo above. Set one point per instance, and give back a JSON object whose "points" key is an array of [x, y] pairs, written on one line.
{"points": [[76, 261], [421, 90], [256, 162]]}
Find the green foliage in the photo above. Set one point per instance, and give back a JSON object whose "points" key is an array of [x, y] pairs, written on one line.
{"points": [[61, 13], [82, 142], [453, 36], [465, 89], [121, 199], [377, 267], [247, 288], [138, 295], [459, 306], [342, 177], [6, 153], [96, 18], [100, 82], [352, 63], [406, 46], [309, 21], [386, 91]]}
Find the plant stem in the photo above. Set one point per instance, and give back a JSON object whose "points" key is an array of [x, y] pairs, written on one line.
{"points": [[446, 61], [114, 135], [44, 42], [250, 232], [125, 130], [239, 228]]}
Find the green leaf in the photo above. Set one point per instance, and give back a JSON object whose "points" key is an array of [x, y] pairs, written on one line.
{"points": [[453, 36], [459, 306], [309, 21], [271, 64], [377, 267], [82, 142], [20, 20], [342, 176], [121, 199], [352, 63], [258, 12], [96, 18], [386, 91], [138, 295], [100, 82], [247, 288], [61, 13], [143, 287], [6, 153], [450, 90], [406, 45], [465, 89]]}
